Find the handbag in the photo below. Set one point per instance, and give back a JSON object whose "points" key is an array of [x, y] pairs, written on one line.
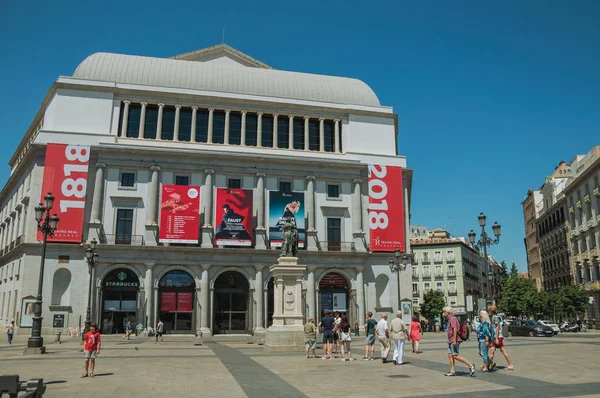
{"points": [[346, 336]]}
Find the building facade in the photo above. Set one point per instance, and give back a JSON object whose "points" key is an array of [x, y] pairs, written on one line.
{"points": [[216, 119], [531, 206]]}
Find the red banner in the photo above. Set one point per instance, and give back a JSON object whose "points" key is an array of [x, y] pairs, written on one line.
{"points": [[65, 176], [386, 208], [168, 302], [179, 214], [185, 302], [234, 217]]}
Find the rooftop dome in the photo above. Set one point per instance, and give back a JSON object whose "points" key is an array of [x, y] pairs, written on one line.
{"points": [[174, 73]]}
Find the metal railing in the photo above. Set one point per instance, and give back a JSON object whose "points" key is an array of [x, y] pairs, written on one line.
{"points": [[336, 246], [427, 274], [415, 293], [10, 384], [130, 240]]}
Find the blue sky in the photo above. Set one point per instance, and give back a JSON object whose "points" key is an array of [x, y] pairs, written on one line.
{"points": [[490, 96]]}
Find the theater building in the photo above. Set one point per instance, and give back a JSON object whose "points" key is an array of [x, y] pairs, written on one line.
{"points": [[183, 169]]}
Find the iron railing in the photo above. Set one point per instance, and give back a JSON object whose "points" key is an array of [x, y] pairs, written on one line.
{"points": [[336, 246], [130, 240]]}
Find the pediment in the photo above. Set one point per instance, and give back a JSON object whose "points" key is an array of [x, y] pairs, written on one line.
{"points": [[222, 54]]}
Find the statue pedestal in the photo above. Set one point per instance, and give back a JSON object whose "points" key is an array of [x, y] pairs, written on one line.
{"points": [[287, 331]]}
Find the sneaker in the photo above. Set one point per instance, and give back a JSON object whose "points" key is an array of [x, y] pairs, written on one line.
{"points": [[372, 358], [510, 367], [323, 357], [472, 371], [449, 374], [395, 362], [365, 359], [352, 359]]}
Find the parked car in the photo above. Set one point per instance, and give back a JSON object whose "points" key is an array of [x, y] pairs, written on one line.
{"points": [[529, 328], [475, 324], [554, 326]]}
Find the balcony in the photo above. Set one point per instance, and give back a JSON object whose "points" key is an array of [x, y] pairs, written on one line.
{"points": [[452, 292], [425, 260], [336, 246], [128, 240], [426, 274], [439, 275], [438, 260], [452, 274], [415, 274], [415, 293], [587, 198], [450, 259]]}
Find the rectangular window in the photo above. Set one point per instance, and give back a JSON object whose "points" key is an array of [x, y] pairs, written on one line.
{"points": [[329, 135], [452, 287], [427, 286], [451, 270], [267, 131], [437, 256], [439, 285], [124, 227], [333, 191], [285, 187], [415, 288], [168, 123], [415, 302], [425, 257], [182, 180], [452, 300], [235, 128], [438, 270], [450, 255], [251, 128], [133, 121], [127, 180], [202, 125], [283, 137], [234, 183], [218, 127], [314, 143], [151, 122], [185, 124], [298, 133], [334, 234]]}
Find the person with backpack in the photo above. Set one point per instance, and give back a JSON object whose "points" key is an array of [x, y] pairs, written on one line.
{"points": [[465, 331], [454, 341], [498, 341], [485, 335]]}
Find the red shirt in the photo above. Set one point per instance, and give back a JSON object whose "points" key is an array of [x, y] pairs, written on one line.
{"points": [[91, 341], [453, 324]]}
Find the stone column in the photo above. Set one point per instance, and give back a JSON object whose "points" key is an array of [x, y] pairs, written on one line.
{"points": [[204, 301], [310, 293], [159, 121], [227, 116], [291, 132], [321, 134], [176, 127], [208, 209], [211, 114], [142, 121], [98, 198], [125, 119], [360, 296], [151, 238], [259, 130], [148, 290], [311, 232], [275, 116], [357, 214], [259, 296], [194, 117], [337, 135], [261, 232], [243, 132], [306, 133]]}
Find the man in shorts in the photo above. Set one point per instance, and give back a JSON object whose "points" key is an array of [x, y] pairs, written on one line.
{"points": [[310, 337], [326, 328], [370, 339], [454, 341], [498, 342], [91, 350], [160, 327]]}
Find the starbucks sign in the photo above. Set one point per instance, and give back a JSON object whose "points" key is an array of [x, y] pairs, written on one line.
{"points": [[121, 278]]}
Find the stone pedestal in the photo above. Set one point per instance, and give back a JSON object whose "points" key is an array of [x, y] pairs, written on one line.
{"points": [[287, 331]]}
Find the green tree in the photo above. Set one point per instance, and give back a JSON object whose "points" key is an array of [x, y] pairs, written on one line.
{"points": [[574, 300], [433, 303], [514, 272], [517, 296], [538, 304], [504, 273]]}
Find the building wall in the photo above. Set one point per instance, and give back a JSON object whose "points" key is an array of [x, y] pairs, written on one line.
{"points": [[531, 240]]}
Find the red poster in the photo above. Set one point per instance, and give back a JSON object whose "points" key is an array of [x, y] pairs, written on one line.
{"points": [[179, 214], [65, 176], [233, 217], [386, 208], [168, 302], [185, 302]]}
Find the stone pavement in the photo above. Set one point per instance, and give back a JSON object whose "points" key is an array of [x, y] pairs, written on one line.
{"points": [[562, 366]]}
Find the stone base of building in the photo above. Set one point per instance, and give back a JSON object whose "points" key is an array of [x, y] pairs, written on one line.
{"points": [[286, 339], [34, 350], [260, 336]]}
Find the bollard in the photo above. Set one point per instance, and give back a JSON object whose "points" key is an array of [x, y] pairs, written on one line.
{"points": [[57, 337]]}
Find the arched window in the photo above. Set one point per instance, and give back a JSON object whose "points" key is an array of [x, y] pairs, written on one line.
{"points": [[60, 287]]}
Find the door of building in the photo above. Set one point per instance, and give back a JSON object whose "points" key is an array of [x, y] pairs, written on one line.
{"points": [[230, 308]]}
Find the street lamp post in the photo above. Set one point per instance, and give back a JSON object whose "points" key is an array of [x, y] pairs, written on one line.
{"points": [[484, 242], [46, 225], [399, 264], [92, 259]]}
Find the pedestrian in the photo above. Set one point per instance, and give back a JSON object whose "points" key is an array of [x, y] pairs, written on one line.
{"points": [[370, 326], [326, 328], [127, 330], [484, 339], [160, 327], [416, 331], [454, 341], [310, 337], [10, 331], [91, 350], [498, 342], [336, 333], [356, 331], [345, 339], [398, 332], [383, 335]]}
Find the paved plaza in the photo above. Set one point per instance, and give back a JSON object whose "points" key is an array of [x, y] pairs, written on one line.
{"points": [[562, 366]]}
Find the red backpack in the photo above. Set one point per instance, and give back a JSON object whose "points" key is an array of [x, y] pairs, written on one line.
{"points": [[464, 331]]}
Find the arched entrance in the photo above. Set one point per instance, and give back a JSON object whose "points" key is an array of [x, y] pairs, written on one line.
{"points": [[120, 294], [334, 294], [230, 303], [176, 301]]}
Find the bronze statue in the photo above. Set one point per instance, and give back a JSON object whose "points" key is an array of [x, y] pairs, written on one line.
{"points": [[289, 240]]}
